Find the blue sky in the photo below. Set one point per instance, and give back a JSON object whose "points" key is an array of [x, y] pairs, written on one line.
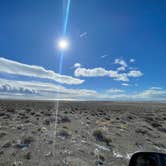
{"points": [[117, 49]]}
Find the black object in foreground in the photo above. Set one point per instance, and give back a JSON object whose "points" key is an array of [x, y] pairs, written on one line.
{"points": [[148, 159]]}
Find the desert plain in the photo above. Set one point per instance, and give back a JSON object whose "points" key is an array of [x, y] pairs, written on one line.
{"points": [[87, 133]]}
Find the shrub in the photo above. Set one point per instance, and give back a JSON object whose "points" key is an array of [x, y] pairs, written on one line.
{"points": [[100, 136]]}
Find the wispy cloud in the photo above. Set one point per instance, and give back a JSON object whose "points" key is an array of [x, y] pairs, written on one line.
{"points": [[156, 94], [147, 94], [104, 56], [13, 67], [7, 86], [45, 90], [125, 84], [156, 88], [42, 89], [114, 90], [83, 34]]}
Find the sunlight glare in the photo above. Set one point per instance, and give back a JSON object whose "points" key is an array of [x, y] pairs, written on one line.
{"points": [[63, 44]]}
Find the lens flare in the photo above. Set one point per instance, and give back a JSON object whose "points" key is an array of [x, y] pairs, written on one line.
{"points": [[63, 44]]}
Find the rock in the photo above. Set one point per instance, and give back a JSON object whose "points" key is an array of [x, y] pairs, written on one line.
{"points": [[48, 154], [17, 163], [43, 129]]}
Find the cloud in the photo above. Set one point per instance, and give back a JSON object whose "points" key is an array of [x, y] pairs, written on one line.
{"points": [[121, 77], [101, 72], [114, 90], [120, 62], [95, 72], [83, 34], [13, 67], [77, 65], [152, 94], [135, 73], [104, 56], [156, 88], [125, 84], [39, 89], [145, 95], [122, 68], [132, 60], [7, 87]]}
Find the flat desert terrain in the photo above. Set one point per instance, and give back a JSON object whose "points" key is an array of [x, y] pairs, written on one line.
{"points": [[88, 133]]}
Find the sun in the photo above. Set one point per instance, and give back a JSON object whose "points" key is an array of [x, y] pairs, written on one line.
{"points": [[63, 44]]}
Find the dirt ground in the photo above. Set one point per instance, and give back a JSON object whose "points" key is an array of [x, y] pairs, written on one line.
{"points": [[88, 133]]}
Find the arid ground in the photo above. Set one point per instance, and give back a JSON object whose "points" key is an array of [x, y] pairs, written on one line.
{"points": [[88, 133]]}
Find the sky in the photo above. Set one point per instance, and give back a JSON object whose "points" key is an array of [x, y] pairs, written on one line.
{"points": [[116, 49]]}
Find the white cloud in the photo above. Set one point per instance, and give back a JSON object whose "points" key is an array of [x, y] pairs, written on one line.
{"points": [[122, 68], [152, 94], [125, 84], [101, 72], [42, 89], [132, 60], [13, 67], [95, 72], [83, 34], [135, 73], [121, 77], [156, 88], [114, 90], [104, 56], [120, 62], [147, 94], [77, 65], [119, 74], [8, 87]]}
